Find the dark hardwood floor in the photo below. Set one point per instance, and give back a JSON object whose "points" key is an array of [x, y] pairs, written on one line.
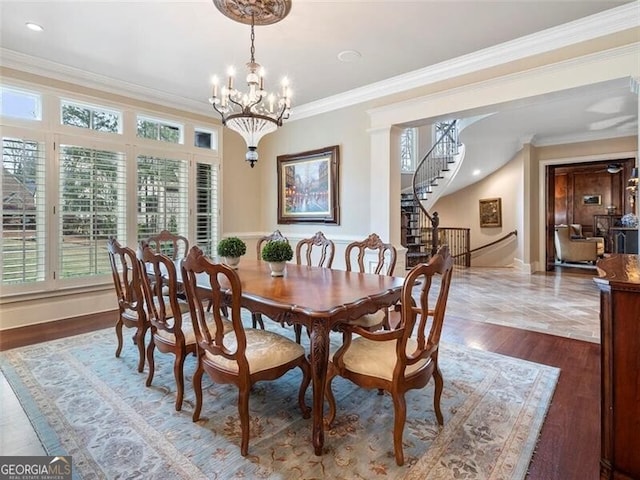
{"points": [[569, 444]]}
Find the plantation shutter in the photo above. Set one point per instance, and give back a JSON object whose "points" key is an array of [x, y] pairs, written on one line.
{"points": [[162, 200], [92, 208], [207, 207], [23, 216]]}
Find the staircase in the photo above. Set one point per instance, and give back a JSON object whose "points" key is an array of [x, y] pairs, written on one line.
{"points": [[419, 228]]}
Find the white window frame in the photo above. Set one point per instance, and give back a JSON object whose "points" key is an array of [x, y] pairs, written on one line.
{"points": [[52, 133], [160, 122], [413, 151], [94, 108], [26, 92]]}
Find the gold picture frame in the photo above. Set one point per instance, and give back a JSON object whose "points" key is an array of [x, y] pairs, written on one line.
{"points": [[490, 212], [592, 199], [308, 187]]}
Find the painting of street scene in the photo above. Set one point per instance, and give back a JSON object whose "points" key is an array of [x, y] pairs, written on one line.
{"points": [[307, 187]]}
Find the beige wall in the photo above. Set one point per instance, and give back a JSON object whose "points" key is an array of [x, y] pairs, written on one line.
{"points": [[461, 209]]}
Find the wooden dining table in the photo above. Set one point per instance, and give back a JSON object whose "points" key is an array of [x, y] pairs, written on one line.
{"points": [[319, 299]]}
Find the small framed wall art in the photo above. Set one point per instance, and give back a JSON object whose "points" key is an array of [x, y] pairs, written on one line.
{"points": [[592, 199], [490, 212]]}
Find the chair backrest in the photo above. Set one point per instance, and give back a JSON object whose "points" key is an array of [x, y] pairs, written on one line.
{"points": [[419, 303], [386, 253], [575, 230], [221, 282], [326, 247], [277, 235], [170, 244], [160, 288], [126, 278]]}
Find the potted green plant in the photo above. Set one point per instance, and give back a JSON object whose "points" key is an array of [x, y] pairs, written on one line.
{"points": [[231, 249], [277, 253]]}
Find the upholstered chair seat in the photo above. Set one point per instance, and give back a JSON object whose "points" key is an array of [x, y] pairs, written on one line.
{"points": [[187, 329], [378, 358], [268, 350]]}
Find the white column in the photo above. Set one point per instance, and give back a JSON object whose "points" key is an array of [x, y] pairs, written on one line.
{"points": [[385, 187]]}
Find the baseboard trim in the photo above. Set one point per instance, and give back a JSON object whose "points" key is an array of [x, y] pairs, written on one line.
{"points": [[41, 332]]}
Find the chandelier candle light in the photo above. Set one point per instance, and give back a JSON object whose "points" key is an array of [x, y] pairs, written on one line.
{"points": [[256, 112]]}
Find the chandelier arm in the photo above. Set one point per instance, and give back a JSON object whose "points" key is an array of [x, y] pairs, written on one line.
{"points": [[219, 111]]}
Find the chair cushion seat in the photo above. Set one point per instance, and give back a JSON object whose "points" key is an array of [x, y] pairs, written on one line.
{"points": [[378, 358], [369, 320], [265, 350], [133, 314], [187, 329]]}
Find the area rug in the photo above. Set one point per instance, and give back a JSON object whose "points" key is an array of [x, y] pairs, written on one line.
{"points": [[84, 402]]}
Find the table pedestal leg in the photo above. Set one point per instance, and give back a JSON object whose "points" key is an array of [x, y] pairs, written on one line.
{"points": [[319, 361]]}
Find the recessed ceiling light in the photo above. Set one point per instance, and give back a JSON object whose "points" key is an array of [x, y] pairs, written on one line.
{"points": [[476, 172], [34, 26], [348, 56]]}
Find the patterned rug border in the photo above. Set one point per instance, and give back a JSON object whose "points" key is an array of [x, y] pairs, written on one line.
{"points": [[538, 402]]}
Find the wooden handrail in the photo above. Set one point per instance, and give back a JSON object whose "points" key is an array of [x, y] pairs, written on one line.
{"points": [[510, 234]]}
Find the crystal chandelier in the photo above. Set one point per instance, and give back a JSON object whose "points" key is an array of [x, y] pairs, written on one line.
{"points": [[255, 112]]}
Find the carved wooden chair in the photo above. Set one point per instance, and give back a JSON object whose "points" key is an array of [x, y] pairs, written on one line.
{"points": [[172, 245], [305, 251], [277, 235], [386, 254], [256, 318], [241, 357], [171, 328], [404, 358], [306, 255], [127, 279]]}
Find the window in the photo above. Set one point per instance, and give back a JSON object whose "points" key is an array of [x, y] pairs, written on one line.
{"points": [[80, 176], [159, 130], [93, 118], [92, 208], [408, 149], [446, 134], [162, 195], [23, 227], [205, 139], [20, 104], [207, 207]]}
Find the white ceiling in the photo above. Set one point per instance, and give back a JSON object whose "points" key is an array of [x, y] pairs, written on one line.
{"points": [[171, 49]]}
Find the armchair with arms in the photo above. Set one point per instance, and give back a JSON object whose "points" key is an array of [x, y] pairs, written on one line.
{"points": [[572, 246]]}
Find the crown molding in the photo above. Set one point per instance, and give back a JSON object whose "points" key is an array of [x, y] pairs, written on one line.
{"points": [[604, 23], [378, 113], [65, 73], [578, 138], [594, 26]]}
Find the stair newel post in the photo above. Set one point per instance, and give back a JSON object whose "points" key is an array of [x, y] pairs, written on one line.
{"points": [[435, 221]]}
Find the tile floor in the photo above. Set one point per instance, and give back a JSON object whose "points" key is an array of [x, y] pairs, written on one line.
{"points": [[565, 304]]}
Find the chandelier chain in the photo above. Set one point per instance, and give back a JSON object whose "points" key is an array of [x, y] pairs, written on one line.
{"points": [[253, 37]]}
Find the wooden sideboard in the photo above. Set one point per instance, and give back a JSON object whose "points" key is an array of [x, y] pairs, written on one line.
{"points": [[619, 284]]}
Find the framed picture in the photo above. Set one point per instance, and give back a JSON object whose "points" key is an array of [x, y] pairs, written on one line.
{"points": [[591, 199], [491, 212], [308, 186]]}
